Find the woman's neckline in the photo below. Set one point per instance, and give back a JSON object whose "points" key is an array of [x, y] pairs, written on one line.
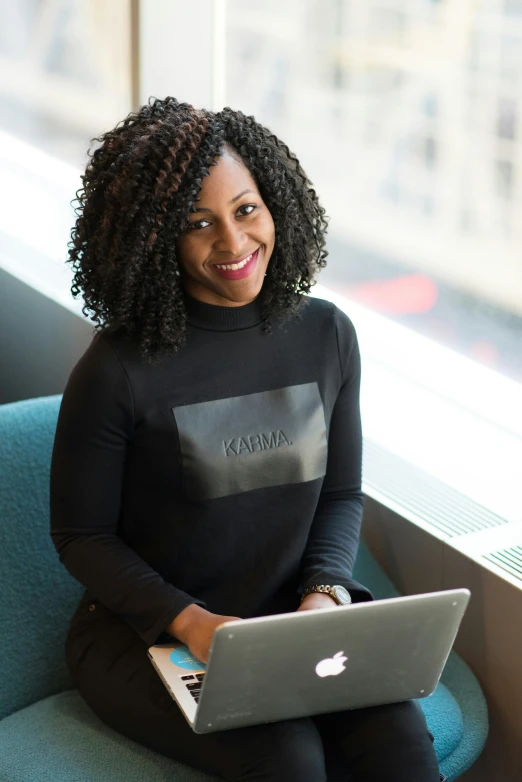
{"points": [[215, 317]]}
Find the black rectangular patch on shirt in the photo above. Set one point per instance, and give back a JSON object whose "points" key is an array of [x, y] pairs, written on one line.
{"points": [[270, 438]]}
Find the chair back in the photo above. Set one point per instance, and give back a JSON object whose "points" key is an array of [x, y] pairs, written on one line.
{"points": [[37, 594]]}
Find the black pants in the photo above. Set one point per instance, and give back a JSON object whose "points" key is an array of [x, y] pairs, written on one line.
{"points": [[109, 665]]}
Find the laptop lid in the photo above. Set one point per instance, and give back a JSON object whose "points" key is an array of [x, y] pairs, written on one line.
{"points": [[298, 664]]}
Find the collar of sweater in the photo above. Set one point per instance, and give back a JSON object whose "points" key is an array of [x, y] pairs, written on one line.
{"points": [[220, 318]]}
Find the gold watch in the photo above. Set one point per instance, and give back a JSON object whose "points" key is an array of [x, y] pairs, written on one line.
{"points": [[341, 595]]}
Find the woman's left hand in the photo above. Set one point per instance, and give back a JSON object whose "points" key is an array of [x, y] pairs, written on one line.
{"points": [[317, 600]]}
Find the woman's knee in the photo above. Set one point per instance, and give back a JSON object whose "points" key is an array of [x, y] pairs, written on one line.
{"points": [[407, 720], [393, 738], [395, 728], [404, 724], [393, 719], [286, 751]]}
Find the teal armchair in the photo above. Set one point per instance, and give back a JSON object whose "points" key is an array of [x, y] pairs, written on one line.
{"points": [[47, 732]]}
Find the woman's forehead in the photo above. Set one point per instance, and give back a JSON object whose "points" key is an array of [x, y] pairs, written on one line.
{"points": [[229, 174]]}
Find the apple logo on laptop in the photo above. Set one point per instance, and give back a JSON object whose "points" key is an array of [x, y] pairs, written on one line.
{"points": [[331, 666]]}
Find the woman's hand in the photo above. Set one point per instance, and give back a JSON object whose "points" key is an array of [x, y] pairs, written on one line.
{"points": [[317, 600], [195, 626]]}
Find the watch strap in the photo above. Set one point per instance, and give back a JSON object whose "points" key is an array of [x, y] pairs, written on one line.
{"points": [[324, 588]]}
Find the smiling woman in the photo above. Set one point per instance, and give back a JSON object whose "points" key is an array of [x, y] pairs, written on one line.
{"points": [[224, 481], [171, 198]]}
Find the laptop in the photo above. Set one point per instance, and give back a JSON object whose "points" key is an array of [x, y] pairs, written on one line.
{"points": [[298, 664]]}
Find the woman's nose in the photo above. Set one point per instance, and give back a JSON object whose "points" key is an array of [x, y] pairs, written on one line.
{"points": [[231, 239]]}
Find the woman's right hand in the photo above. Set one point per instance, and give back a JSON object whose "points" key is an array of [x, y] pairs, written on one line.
{"points": [[195, 626]]}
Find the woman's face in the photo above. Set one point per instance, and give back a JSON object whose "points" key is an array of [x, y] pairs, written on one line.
{"points": [[231, 222]]}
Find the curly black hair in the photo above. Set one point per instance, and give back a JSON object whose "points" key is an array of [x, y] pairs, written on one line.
{"points": [[139, 188]]}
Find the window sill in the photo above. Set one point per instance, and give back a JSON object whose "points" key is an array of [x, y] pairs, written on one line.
{"points": [[442, 440]]}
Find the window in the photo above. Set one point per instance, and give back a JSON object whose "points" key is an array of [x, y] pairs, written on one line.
{"points": [[64, 72], [65, 78], [404, 116], [414, 154]]}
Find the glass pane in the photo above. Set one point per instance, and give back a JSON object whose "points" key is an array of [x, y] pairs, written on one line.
{"points": [[64, 79], [406, 119], [64, 72]]}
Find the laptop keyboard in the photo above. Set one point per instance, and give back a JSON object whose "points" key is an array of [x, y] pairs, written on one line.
{"points": [[193, 684]]}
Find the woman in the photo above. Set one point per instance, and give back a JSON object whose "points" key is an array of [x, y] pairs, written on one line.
{"points": [[207, 459]]}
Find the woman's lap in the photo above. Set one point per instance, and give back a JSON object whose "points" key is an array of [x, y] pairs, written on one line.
{"points": [[109, 665], [111, 669]]}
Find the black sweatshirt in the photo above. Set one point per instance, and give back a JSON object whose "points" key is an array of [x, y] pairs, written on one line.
{"points": [[229, 475]]}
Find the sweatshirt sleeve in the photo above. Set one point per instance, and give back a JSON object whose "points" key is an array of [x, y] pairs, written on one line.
{"points": [[333, 541], [95, 429]]}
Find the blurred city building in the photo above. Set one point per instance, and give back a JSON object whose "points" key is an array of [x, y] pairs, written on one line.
{"points": [[406, 116]]}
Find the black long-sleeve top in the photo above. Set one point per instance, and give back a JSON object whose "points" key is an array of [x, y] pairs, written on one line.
{"points": [[228, 475]]}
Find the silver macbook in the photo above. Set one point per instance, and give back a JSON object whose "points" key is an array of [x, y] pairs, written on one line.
{"points": [[302, 663]]}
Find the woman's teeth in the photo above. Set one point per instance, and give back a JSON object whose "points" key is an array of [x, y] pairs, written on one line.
{"points": [[234, 266]]}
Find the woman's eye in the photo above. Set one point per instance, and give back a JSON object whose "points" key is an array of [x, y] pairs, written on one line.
{"points": [[248, 206], [194, 226]]}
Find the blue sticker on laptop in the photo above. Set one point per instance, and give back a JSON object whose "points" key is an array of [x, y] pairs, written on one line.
{"points": [[183, 658]]}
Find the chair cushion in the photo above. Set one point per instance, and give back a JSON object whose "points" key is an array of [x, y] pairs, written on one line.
{"points": [[464, 686], [444, 719], [60, 738], [38, 594]]}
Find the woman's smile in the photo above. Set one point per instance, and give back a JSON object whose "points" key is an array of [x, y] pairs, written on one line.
{"points": [[238, 270]]}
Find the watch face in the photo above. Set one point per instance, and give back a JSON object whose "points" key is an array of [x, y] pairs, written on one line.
{"points": [[342, 594]]}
